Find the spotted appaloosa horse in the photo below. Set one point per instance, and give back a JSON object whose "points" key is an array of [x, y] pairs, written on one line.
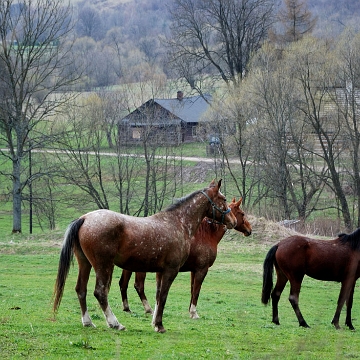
{"points": [[159, 243], [203, 252], [330, 260]]}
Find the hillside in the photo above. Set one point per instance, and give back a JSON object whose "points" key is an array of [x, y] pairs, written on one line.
{"points": [[332, 15]]}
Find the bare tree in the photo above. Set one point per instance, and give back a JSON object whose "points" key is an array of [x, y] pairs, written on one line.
{"points": [[89, 22], [218, 36], [34, 62], [288, 173], [80, 161], [156, 142], [295, 21], [46, 203], [113, 107], [143, 175], [347, 101], [227, 125], [127, 167], [313, 69], [154, 133]]}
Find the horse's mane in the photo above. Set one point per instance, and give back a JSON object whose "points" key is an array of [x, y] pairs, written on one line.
{"points": [[352, 239], [179, 202]]}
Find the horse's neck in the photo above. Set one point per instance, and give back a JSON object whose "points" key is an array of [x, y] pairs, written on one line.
{"points": [[212, 230], [193, 212]]}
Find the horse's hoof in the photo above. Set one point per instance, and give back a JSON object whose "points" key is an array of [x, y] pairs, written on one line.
{"points": [[304, 325], [160, 329], [89, 324], [118, 327], [194, 316], [149, 312], [127, 310]]}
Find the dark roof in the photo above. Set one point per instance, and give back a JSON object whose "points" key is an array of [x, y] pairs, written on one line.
{"points": [[188, 110]]}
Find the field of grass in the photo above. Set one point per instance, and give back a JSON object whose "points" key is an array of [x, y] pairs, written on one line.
{"points": [[233, 324]]}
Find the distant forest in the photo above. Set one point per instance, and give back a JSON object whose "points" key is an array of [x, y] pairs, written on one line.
{"points": [[135, 30], [147, 18]]}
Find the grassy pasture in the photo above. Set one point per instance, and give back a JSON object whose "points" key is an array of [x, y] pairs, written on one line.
{"points": [[233, 324]]}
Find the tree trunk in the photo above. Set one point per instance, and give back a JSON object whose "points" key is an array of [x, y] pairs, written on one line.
{"points": [[16, 196]]}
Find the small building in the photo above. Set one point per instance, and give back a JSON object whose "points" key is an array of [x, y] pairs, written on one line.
{"points": [[164, 121]]}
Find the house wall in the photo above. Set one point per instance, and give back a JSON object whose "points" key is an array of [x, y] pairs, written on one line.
{"points": [[158, 135]]}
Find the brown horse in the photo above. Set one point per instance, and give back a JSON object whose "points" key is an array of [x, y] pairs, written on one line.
{"points": [[202, 256], [297, 256], [159, 243]]}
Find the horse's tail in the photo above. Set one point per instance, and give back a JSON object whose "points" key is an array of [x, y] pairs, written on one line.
{"points": [[71, 239], [268, 274]]}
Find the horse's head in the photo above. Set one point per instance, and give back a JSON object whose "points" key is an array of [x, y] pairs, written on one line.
{"points": [[218, 208], [242, 224]]}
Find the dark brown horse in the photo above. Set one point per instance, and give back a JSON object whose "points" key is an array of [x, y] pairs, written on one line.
{"points": [[329, 260], [159, 243], [202, 256]]}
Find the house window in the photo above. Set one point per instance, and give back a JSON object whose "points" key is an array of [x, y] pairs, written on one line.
{"points": [[136, 134], [193, 131]]}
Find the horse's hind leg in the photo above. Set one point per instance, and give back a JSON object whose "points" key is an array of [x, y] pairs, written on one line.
{"points": [[276, 293], [81, 288], [197, 279], [123, 284], [102, 286], [295, 286], [139, 286]]}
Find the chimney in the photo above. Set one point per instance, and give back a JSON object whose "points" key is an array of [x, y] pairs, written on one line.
{"points": [[180, 95]]}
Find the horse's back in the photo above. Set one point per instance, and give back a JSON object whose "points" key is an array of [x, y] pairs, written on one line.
{"points": [[133, 243], [114, 225], [319, 259], [291, 253]]}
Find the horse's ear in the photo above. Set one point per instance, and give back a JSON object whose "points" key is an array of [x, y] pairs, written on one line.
{"points": [[234, 199], [239, 202], [212, 184], [219, 183]]}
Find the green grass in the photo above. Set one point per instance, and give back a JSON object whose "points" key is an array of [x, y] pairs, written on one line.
{"points": [[233, 324]]}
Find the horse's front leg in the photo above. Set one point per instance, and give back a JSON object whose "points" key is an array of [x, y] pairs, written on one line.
{"points": [[140, 289], [157, 296], [167, 279], [81, 289], [345, 291], [102, 286], [197, 279], [349, 303], [123, 285]]}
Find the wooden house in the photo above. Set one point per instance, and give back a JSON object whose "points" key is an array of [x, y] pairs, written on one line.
{"points": [[164, 121]]}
